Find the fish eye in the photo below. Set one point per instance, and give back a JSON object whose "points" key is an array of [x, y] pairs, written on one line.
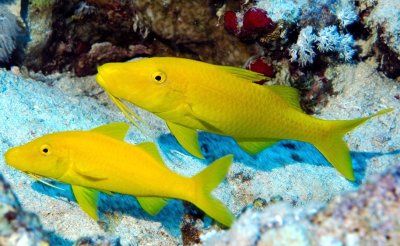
{"points": [[45, 149], [159, 77]]}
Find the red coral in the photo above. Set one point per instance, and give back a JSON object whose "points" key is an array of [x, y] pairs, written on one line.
{"points": [[257, 20], [231, 22], [260, 65]]}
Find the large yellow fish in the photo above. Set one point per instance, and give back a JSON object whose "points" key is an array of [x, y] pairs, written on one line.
{"points": [[99, 160], [191, 95]]}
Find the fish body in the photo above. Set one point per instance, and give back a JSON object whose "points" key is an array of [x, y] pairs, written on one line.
{"points": [[191, 95], [98, 160]]}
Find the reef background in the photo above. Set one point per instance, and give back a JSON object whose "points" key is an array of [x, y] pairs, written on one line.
{"points": [[286, 194]]}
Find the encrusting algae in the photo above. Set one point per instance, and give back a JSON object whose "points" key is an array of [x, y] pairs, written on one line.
{"points": [[192, 95], [100, 161]]}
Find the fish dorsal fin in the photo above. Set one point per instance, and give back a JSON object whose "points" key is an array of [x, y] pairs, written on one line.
{"points": [[152, 205], [289, 94], [115, 130], [254, 147], [151, 149], [87, 199], [244, 73], [186, 137]]}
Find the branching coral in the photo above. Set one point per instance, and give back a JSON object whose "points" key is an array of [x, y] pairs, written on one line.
{"points": [[302, 51], [327, 40]]}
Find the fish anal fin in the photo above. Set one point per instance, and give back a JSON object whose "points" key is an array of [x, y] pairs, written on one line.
{"points": [[244, 73], [151, 149], [186, 137], [115, 130], [152, 205], [87, 199], [254, 147], [289, 94]]}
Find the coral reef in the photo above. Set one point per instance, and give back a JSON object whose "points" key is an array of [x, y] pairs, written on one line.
{"points": [[288, 194], [18, 227], [300, 39], [366, 217]]}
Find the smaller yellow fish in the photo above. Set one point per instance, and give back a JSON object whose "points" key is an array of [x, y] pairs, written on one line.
{"points": [[99, 160]]}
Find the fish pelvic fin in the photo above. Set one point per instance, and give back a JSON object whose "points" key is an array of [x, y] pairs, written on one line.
{"points": [[206, 181], [335, 149], [87, 199]]}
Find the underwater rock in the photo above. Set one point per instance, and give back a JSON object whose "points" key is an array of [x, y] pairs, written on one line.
{"points": [[193, 29], [366, 217], [382, 17], [73, 30], [65, 34], [18, 227]]}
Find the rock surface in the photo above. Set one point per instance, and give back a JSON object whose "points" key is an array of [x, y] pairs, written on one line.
{"points": [[18, 227], [366, 217]]}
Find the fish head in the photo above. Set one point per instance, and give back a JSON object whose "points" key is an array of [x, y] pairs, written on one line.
{"points": [[149, 83], [44, 156]]}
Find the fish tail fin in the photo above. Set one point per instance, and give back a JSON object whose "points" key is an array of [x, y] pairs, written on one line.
{"points": [[335, 149], [206, 181]]}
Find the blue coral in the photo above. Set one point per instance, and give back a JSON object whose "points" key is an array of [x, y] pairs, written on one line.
{"points": [[347, 15]]}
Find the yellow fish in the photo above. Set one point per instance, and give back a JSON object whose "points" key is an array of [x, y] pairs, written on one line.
{"points": [[99, 160], [191, 95]]}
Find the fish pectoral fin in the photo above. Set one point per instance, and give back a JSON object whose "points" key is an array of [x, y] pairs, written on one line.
{"points": [[115, 130], [152, 205], [244, 73], [289, 94], [87, 173], [151, 149], [87, 199], [254, 147], [186, 137]]}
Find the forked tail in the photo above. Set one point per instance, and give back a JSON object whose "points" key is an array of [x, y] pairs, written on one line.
{"points": [[206, 181], [335, 149]]}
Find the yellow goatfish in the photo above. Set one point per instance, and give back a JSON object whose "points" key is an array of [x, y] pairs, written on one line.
{"points": [[191, 95], [100, 161]]}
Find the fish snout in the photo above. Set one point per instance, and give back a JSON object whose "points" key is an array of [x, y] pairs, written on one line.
{"points": [[11, 156], [100, 79]]}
